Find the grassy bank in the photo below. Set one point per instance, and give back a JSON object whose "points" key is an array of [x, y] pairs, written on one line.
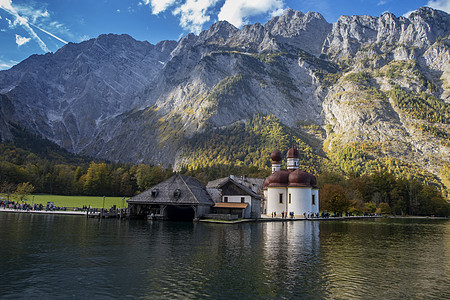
{"points": [[77, 201]]}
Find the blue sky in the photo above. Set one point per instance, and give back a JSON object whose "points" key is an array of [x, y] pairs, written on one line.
{"points": [[38, 26]]}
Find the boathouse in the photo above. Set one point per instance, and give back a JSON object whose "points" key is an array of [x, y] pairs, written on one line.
{"points": [[178, 198]]}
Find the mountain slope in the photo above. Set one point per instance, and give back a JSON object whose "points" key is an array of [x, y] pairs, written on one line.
{"points": [[369, 89]]}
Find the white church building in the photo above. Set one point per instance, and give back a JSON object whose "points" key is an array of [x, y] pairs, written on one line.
{"points": [[290, 191]]}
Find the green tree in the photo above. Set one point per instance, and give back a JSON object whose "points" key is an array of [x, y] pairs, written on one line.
{"points": [[371, 207], [333, 198], [431, 202], [97, 180], [23, 190], [127, 186], [8, 189], [383, 208]]}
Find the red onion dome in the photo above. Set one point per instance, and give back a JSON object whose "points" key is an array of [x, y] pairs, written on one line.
{"points": [[300, 178], [292, 153], [276, 155], [277, 179]]}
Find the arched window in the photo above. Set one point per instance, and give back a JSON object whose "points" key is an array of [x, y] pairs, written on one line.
{"points": [[177, 193], [155, 193]]}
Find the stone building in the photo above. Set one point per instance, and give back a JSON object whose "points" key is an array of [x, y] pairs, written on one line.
{"points": [[178, 198]]}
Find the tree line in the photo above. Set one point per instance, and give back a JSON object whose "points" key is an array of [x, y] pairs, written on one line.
{"points": [[380, 192], [22, 172], [18, 167]]}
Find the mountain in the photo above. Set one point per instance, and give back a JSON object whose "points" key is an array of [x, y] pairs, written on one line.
{"points": [[363, 94]]}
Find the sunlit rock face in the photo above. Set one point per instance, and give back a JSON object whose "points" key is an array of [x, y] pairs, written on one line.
{"points": [[117, 98]]}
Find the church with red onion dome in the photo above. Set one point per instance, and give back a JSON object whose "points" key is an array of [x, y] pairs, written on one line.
{"points": [[291, 191]]}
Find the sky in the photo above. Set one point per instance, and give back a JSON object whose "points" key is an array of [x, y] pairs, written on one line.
{"points": [[30, 27]]}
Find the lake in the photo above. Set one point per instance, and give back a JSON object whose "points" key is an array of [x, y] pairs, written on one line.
{"points": [[59, 257]]}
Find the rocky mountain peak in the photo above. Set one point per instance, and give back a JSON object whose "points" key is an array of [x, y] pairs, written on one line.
{"points": [[299, 30], [218, 33], [117, 98]]}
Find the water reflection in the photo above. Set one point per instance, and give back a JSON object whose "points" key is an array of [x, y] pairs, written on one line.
{"points": [[389, 258], [291, 257], [68, 256]]}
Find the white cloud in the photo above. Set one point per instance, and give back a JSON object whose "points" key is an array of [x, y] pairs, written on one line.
{"points": [[277, 12], [84, 38], [20, 40], [4, 65], [160, 5], [6, 5], [443, 5], [32, 13], [406, 15], [27, 16], [237, 12], [193, 14], [381, 2]]}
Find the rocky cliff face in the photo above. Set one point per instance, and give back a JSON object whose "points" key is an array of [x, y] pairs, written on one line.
{"points": [[116, 98]]}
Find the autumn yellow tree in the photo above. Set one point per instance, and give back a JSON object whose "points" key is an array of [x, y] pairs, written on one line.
{"points": [[23, 190], [333, 198]]}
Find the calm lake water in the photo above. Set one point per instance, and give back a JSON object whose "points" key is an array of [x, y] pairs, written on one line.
{"points": [[58, 257]]}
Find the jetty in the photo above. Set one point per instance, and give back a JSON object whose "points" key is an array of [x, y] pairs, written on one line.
{"points": [[268, 219]]}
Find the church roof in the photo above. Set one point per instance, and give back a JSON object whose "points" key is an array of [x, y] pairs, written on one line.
{"points": [[291, 178], [276, 155], [300, 178], [277, 179], [292, 153], [177, 190]]}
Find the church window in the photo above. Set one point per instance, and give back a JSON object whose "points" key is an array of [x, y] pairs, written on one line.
{"points": [[290, 198], [177, 193], [280, 198], [313, 199]]}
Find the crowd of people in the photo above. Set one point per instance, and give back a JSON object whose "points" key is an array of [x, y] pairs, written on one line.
{"points": [[27, 207], [323, 215], [20, 205]]}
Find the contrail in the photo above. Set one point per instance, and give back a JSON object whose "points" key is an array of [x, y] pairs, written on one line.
{"points": [[50, 34], [6, 6]]}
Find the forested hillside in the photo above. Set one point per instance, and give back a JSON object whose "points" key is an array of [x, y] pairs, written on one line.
{"points": [[362, 96]]}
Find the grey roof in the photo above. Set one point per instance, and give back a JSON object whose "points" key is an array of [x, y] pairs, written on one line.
{"points": [[214, 186], [191, 192], [245, 181]]}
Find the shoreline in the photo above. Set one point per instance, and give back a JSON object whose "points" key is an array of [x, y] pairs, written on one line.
{"points": [[289, 219], [49, 212], [212, 221]]}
